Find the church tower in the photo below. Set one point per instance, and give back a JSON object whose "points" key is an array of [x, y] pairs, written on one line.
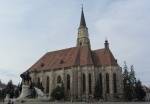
{"points": [[83, 35]]}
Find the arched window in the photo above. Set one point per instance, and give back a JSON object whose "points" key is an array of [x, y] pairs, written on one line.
{"points": [[59, 79], [84, 87], [107, 83], [68, 82], [47, 84], [90, 90], [114, 83], [101, 84]]}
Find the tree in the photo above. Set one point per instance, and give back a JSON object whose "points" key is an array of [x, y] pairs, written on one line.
{"points": [[16, 92], [0, 93], [127, 83], [132, 87], [132, 81], [9, 89], [62, 92], [56, 93], [139, 92], [132, 76], [97, 90]]}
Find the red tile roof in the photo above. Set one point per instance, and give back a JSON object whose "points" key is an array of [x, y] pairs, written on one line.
{"points": [[146, 89], [76, 56]]}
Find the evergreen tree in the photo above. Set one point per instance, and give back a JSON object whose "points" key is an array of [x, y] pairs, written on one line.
{"points": [[139, 92], [0, 93], [132, 81], [9, 89], [56, 93], [97, 90], [128, 96], [132, 76], [16, 93], [62, 93]]}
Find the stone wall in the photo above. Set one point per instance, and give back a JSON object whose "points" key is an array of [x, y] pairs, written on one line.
{"points": [[76, 80]]}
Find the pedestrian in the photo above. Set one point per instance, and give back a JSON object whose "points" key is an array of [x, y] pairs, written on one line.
{"points": [[9, 101], [12, 101]]}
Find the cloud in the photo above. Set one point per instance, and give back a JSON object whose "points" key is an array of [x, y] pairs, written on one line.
{"points": [[125, 24], [28, 29]]}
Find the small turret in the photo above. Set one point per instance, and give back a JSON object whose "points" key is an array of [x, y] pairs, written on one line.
{"points": [[106, 44]]}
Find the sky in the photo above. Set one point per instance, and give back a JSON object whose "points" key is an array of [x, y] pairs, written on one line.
{"points": [[31, 28]]}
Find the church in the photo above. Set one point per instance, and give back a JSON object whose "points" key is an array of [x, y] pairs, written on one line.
{"points": [[79, 68]]}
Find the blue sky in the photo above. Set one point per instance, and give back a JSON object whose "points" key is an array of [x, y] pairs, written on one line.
{"points": [[30, 28]]}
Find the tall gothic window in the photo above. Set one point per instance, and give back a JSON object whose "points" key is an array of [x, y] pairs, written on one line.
{"points": [[59, 79], [114, 83], [90, 90], [101, 86], [84, 85], [68, 82], [107, 83], [47, 84]]}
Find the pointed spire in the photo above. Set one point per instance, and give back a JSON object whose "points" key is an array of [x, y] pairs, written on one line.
{"points": [[82, 21]]}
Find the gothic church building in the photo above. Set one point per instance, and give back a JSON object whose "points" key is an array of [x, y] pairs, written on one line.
{"points": [[79, 68]]}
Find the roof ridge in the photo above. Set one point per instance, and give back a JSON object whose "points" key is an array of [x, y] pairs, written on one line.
{"points": [[77, 57], [89, 53]]}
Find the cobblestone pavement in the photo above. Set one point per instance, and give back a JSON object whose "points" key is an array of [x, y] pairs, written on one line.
{"points": [[80, 103]]}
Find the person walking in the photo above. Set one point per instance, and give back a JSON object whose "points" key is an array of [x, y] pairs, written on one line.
{"points": [[12, 101]]}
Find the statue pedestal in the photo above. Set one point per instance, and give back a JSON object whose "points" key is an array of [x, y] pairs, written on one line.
{"points": [[7, 98], [25, 92]]}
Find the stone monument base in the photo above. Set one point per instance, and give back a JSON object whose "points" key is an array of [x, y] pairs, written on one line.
{"points": [[25, 92]]}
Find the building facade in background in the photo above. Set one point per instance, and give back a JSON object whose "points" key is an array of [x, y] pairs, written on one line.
{"points": [[79, 68], [2, 85]]}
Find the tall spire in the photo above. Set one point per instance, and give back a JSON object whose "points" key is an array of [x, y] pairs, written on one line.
{"points": [[82, 21], [83, 35]]}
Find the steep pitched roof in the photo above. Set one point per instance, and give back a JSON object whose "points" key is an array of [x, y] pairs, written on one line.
{"points": [[103, 57], [76, 56], [146, 89]]}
